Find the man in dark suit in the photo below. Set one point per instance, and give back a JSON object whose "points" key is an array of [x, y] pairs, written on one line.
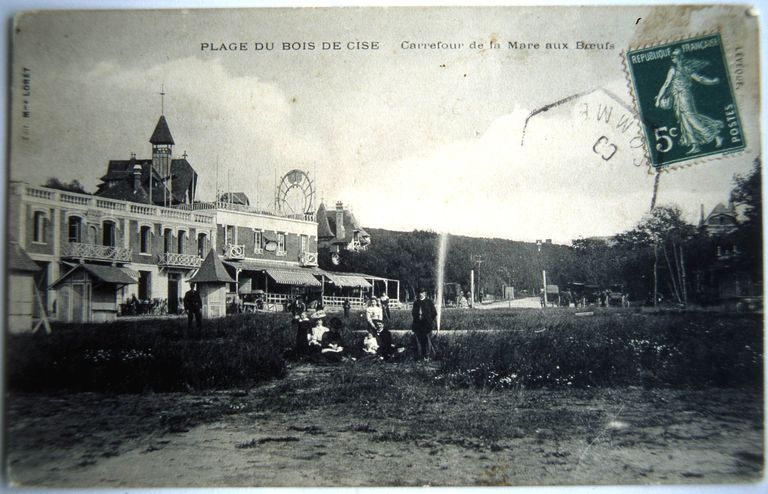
{"points": [[193, 304], [424, 321]]}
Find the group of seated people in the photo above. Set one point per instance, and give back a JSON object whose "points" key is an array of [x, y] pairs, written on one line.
{"points": [[314, 338]]}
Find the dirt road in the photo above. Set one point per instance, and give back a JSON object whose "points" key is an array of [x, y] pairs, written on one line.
{"points": [[285, 433]]}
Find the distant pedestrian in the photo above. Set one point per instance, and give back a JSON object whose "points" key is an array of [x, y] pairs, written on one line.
{"points": [[303, 327], [297, 308], [373, 313], [384, 299], [346, 305], [424, 321], [193, 304]]}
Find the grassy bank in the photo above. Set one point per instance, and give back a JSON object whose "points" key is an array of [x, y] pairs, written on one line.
{"points": [[159, 355], [500, 349], [610, 348]]}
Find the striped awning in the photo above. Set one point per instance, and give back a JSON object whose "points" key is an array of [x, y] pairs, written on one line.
{"points": [[292, 277], [346, 280]]}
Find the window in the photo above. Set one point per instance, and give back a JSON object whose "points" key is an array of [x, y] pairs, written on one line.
{"points": [[108, 234], [201, 245], [38, 234], [229, 235], [303, 244], [75, 229], [257, 241], [145, 240], [167, 240], [281, 244], [181, 240], [145, 285]]}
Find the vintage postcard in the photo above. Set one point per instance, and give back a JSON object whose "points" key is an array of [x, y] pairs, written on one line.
{"points": [[497, 246]]}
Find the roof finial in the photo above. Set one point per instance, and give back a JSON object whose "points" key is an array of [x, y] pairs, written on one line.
{"points": [[185, 154], [162, 99]]}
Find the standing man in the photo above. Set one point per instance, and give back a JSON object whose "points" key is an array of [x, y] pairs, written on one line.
{"points": [[297, 308], [193, 304], [346, 305], [385, 306], [424, 319]]}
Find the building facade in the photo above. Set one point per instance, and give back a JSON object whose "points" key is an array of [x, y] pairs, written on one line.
{"points": [[145, 221]]}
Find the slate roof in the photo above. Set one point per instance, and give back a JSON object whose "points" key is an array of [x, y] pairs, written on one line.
{"points": [[19, 261], [106, 274], [212, 271], [350, 226], [121, 171], [722, 209], [235, 198], [323, 228], [162, 134]]}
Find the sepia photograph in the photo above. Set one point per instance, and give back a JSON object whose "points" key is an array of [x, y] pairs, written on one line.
{"points": [[384, 247]]}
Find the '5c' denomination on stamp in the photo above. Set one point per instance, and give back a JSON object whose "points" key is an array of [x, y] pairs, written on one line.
{"points": [[685, 101]]}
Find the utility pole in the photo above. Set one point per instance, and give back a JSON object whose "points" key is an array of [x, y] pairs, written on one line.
{"points": [[478, 260]]}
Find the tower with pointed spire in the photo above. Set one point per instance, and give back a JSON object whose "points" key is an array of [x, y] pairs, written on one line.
{"points": [[162, 150]]}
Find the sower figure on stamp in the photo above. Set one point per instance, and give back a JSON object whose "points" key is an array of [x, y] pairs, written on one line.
{"points": [[424, 320], [696, 128], [193, 304]]}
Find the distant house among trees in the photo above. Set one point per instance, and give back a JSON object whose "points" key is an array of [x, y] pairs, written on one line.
{"points": [[722, 220]]}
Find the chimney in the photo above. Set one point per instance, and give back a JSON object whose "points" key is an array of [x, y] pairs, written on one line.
{"points": [[701, 219], [136, 177], [548, 241], [340, 232]]}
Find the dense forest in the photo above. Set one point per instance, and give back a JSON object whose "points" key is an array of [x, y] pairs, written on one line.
{"points": [[661, 251]]}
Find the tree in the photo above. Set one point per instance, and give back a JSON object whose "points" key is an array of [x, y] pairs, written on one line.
{"points": [[73, 186], [747, 195], [664, 229]]}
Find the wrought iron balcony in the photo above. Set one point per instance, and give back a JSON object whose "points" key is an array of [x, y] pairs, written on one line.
{"points": [[95, 252], [171, 259], [308, 259], [234, 251]]}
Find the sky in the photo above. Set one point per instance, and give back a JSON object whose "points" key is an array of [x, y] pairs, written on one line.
{"points": [[439, 139]]}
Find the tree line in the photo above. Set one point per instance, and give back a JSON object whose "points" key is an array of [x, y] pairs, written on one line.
{"points": [[662, 257]]}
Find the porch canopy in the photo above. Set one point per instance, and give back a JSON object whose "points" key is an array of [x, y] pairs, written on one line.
{"points": [[347, 280], [292, 277], [281, 274]]}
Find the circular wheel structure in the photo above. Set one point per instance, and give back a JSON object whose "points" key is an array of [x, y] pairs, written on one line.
{"points": [[296, 194]]}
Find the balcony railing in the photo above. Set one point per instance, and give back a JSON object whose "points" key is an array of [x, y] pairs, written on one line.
{"points": [[90, 201], [171, 259], [96, 252], [234, 251], [308, 259]]}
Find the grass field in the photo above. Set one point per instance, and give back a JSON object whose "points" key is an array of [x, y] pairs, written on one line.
{"points": [[512, 397]]}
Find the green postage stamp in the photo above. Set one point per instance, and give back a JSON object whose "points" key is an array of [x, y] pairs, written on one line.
{"points": [[685, 100]]}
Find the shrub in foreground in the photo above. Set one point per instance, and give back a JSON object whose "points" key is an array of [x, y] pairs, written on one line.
{"points": [[558, 349], [158, 355]]}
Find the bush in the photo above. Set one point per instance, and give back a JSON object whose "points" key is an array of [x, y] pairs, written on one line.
{"points": [[611, 348], [157, 355]]}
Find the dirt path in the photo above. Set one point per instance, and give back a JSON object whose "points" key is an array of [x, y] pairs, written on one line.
{"points": [[269, 436]]}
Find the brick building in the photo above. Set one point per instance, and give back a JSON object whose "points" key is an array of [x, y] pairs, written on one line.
{"points": [[144, 221]]}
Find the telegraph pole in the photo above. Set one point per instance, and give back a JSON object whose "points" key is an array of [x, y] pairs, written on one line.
{"points": [[477, 259]]}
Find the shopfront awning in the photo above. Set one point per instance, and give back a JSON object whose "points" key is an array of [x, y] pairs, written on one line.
{"points": [[292, 277], [346, 280]]}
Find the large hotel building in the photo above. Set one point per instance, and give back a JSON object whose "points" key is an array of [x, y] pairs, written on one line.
{"points": [[133, 245]]}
